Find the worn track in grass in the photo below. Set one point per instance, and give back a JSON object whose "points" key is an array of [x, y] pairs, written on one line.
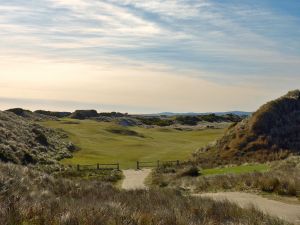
{"points": [[135, 179]]}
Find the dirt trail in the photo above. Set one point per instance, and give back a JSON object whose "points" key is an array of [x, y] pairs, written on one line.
{"points": [[135, 179], [288, 212]]}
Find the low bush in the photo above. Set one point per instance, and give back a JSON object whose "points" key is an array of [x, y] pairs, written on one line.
{"points": [[84, 114], [192, 171], [269, 184], [155, 121]]}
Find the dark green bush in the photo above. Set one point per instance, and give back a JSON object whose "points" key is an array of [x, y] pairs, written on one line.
{"points": [[156, 121], [192, 171]]}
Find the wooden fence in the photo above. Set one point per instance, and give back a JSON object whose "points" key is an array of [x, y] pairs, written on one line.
{"points": [[116, 166], [152, 164], [98, 166], [298, 187]]}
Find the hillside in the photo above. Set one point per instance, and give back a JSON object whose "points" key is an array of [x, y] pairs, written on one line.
{"points": [[22, 141], [272, 132]]}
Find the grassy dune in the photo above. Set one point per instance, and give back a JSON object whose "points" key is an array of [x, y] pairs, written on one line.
{"points": [[102, 142]]}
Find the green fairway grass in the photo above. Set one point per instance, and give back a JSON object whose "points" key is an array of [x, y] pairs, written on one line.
{"points": [[237, 169], [102, 142]]}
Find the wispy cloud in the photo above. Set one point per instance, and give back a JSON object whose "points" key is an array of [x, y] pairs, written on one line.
{"points": [[233, 43]]}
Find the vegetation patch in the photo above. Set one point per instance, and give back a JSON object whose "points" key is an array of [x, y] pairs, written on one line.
{"points": [[84, 114], [281, 178], [70, 122], [53, 114], [111, 176], [125, 132], [192, 171], [236, 169], [157, 121], [23, 141]]}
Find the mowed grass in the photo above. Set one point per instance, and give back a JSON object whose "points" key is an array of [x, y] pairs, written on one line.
{"points": [[98, 144], [237, 169]]}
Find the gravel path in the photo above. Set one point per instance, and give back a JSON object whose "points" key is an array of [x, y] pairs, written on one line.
{"points": [[288, 212], [135, 179]]}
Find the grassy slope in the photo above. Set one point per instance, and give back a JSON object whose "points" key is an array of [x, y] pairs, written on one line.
{"points": [[237, 169], [101, 146]]}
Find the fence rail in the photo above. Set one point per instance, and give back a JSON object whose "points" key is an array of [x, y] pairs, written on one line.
{"points": [[98, 166], [116, 166]]}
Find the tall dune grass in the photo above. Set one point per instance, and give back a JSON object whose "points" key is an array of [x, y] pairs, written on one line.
{"points": [[29, 197]]}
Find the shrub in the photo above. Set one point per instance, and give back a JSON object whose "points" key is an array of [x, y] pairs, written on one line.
{"points": [[269, 184], [192, 171], [84, 114], [53, 114], [157, 121]]}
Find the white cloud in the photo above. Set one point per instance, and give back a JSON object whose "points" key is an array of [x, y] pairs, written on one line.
{"points": [[189, 40], [112, 19], [173, 8]]}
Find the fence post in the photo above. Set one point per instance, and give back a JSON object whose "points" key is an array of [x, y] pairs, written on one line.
{"points": [[78, 167], [137, 165], [177, 162], [157, 163], [98, 166], [118, 166], [298, 187]]}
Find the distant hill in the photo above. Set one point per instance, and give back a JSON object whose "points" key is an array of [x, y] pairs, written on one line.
{"points": [[271, 133], [35, 116], [23, 141], [238, 113], [53, 114]]}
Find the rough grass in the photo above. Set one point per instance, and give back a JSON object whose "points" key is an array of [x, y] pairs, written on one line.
{"points": [[111, 176], [236, 169], [281, 177], [99, 145], [28, 197]]}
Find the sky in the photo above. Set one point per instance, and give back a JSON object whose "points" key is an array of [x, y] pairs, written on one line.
{"points": [[142, 56]]}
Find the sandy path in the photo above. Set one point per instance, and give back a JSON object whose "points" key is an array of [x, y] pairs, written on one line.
{"points": [[135, 179], [288, 212]]}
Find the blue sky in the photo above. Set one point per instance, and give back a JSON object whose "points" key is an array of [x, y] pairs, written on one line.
{"points": [[146, 56]]}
